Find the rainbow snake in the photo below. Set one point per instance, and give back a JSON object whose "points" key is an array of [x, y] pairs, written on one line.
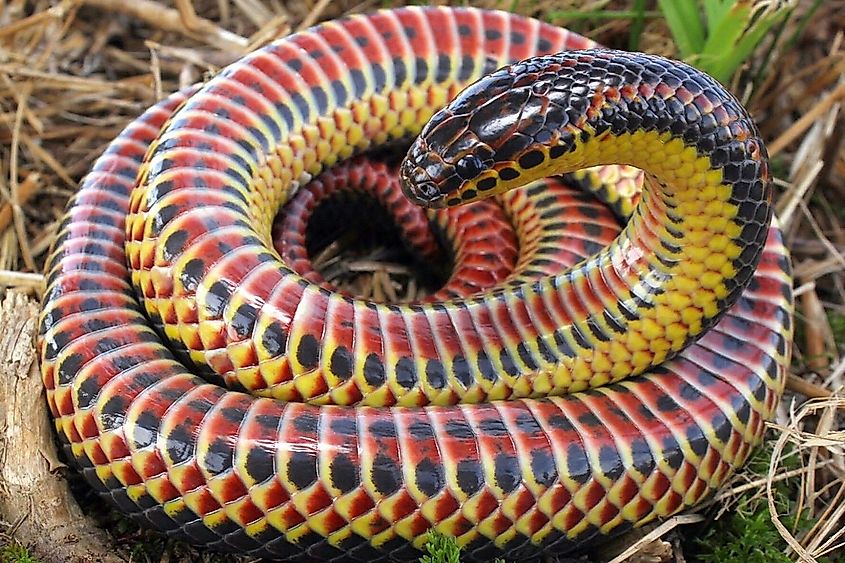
{"points": [[551, 394]]}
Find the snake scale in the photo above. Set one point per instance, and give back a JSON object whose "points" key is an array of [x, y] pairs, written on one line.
{"points": [[501, 411]]}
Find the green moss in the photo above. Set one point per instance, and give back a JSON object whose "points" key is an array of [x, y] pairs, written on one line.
{"points": [[749, 538], [441, 548], [747, 534], [16, 553]]}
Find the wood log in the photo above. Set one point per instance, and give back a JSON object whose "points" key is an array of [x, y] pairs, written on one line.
{"points": [[35, 501]]}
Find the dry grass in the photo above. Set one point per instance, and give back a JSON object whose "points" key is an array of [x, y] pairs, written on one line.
{"points": [[74, 72]]}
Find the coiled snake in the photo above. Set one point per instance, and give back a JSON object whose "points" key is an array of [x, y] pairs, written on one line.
{"points": [[379, 422]]}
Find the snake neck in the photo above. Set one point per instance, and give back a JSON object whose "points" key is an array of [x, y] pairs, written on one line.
{"points": [[691, 244]]}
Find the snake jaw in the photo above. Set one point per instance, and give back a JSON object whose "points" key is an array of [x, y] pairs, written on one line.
{"points": [[417, 184]]}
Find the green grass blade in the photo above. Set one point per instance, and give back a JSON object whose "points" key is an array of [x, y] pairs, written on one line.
{"points": [[748, 42], [571, 15], [802, 25], [684, 19], [637, 25], [779, 43], [714, 10], [734, 37], [723, 40]]}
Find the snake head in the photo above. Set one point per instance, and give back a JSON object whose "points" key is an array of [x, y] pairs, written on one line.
{"points": [[486, 140], [433, 181], [443, 160], [448, 162]]}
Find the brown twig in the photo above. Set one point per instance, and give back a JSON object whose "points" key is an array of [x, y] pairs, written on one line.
{"points": [[13, 197], [817, 331], [26, 189], [170, 19], [799, 385], [313, 15], [189, 16], [789, 136], [657, 533], [38, 18]]}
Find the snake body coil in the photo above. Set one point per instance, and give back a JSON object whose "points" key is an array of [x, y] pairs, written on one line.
{"points": [[380, 422]]}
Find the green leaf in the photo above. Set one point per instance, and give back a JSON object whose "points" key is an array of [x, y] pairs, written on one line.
{"points": [[714, 10], [637, 25], [684, 19], [723, 37], [734, 36]]}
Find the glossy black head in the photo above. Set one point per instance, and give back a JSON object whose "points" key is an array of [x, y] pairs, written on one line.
{"points": [[500, 132], [453, 153]]}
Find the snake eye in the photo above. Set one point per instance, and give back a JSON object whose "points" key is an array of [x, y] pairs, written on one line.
{"points": [[469, 166]]}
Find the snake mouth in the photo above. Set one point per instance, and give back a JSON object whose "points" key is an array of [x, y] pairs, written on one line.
{"points": [[418, 185]]}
